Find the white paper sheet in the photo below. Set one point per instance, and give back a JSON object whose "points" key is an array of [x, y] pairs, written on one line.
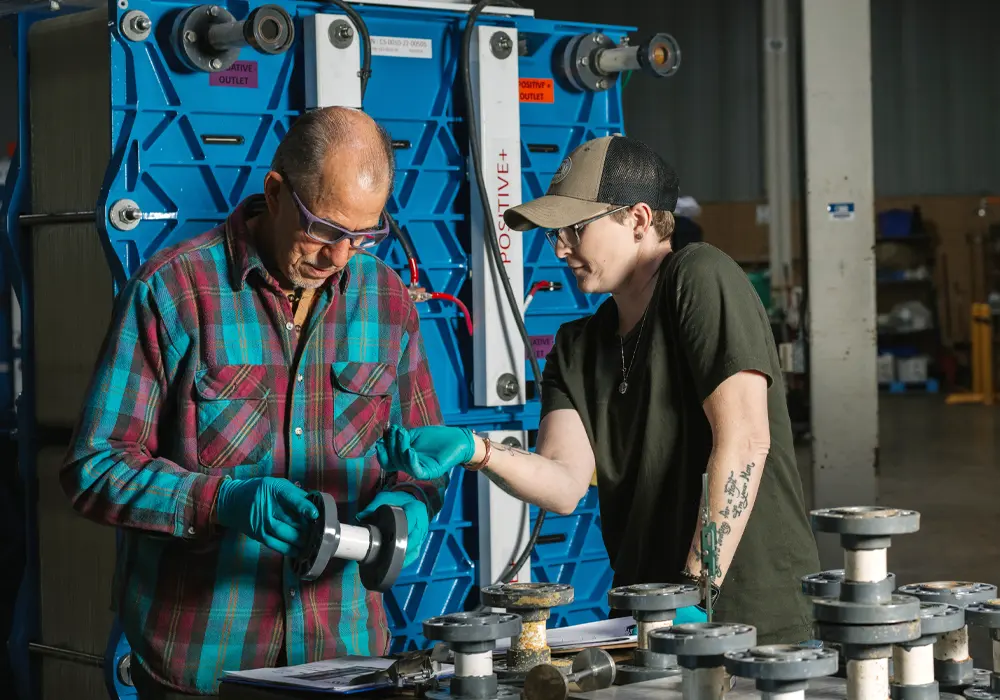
{"points": [[333, 676], [619, 630]]}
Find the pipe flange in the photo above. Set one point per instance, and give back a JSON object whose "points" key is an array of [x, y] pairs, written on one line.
{"points": [[900, 608], [627, 674], [269, 29], [985, 614], [653, 597], [190, 38], [960, 593], [472, 627], [578, 62], [928, 691], [702, 639], [938, 618], [660, 55], [527, 597], [951, 673], [825, 584], [125, 215], [865, 521], [323, 541], [388, 529], [782, 662], [136, 25], [980, 692], [869, 635]]}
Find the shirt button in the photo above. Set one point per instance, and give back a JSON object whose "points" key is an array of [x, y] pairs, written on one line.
{"points": [[298, 431], [191, 530], [298, 484], [299, 378], [291, 592], [298, 329], [289, 325]]}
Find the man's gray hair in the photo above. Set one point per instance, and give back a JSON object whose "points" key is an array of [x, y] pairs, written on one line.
{"points": [[301, 155]]}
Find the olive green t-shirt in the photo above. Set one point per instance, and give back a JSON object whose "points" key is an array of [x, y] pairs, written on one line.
{"points": [[704, 324]]}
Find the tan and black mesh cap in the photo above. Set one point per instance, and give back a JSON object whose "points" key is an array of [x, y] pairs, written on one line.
{"points": [[611, 171]]}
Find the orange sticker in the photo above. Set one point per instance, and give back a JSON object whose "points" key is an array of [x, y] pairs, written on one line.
{"points": [[537, 90]]}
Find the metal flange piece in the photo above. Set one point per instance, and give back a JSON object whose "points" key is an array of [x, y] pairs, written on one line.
{"points": [[985, 614], [527, 596], [960, 593], [899, 608], [866, 521], [702, 639], [831, 584], [869, 635], [786, 663], [472, 627], [938, 618], [825, 584], [653, 597], [533, 603]]}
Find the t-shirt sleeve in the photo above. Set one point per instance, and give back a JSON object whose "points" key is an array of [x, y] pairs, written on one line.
{"points": [[555, 392], [722, 326]]}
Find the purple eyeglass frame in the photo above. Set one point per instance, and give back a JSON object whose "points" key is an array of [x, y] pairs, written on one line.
{"points": [[359, 239]]}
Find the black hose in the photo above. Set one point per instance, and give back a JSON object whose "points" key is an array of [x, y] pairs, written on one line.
{"points": [[366, 42], [493, 247], [403, 237]]}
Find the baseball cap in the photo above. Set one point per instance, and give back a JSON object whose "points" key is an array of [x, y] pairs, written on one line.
{"points": [[604, 172]]}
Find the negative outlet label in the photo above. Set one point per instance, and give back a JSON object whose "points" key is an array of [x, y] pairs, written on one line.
{"points": [[541, 345]]}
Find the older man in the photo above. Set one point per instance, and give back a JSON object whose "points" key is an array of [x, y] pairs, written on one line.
{"points": [[676, 375], [243, 368]]}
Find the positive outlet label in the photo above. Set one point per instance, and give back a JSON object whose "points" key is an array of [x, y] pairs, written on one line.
{"points": [[539, 90]]}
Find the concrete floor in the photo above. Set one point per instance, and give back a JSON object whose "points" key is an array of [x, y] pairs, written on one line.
{"points": [[942, 462]]}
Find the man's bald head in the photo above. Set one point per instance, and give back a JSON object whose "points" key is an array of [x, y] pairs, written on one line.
{"points": [[335, 148]]}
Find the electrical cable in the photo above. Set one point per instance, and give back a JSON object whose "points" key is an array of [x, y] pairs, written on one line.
{"points": [[366, 42], [493, 247]]}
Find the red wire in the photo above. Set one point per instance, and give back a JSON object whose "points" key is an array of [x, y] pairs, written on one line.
{"points": [[441, 296], [414, 275], [537, 286]]}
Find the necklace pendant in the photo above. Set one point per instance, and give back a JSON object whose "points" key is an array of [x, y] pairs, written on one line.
{"points": [[623, 387]]}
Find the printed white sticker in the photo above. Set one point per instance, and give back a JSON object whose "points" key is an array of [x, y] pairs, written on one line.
{"points": [[404, 47]]}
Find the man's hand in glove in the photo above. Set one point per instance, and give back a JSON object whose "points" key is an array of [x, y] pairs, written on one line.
{"points": [[417, 519], [273, 511], [424, 453]]}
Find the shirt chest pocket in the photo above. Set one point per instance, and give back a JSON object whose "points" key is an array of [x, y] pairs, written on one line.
{"points": [[362, 400], [232, 408]]}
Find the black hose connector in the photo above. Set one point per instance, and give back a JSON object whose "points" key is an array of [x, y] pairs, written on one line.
{"points": [[208, 38]]}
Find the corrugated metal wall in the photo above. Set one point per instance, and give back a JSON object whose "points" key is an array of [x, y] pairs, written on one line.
{"points": [[934, 79]]}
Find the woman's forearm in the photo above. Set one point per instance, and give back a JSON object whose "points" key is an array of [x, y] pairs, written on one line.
{"points": [[530, 477]]}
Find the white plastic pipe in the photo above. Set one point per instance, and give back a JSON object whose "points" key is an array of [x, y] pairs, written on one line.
{"points": [[868, 680], [913, 666], [865, 565], [793, 695], [646, 627], [953, 646], [474, 665], [704, 683], [354, 542]]}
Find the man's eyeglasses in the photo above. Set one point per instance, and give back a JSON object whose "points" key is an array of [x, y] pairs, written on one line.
{"points": [[327, 232], [570, 235]]}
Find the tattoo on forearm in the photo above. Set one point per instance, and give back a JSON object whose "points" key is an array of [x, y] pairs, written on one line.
{"points": [[501, 447]]}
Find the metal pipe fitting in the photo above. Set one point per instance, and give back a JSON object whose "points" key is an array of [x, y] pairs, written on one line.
{"points": [[209, 38], [533, 603], [472, 637]]}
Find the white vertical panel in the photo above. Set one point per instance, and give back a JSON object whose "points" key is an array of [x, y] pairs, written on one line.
{"points": [[504, 525], [497, 347], [838, 123], [331, 73]]}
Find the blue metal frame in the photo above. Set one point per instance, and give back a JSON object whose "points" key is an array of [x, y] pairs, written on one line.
{"points": [[159, 160]]}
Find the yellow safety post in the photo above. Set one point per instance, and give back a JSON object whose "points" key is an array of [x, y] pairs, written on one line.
{"points": [[981, 332]]}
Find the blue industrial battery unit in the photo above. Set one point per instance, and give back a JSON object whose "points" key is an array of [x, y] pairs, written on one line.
{"points": [[201, 95]]}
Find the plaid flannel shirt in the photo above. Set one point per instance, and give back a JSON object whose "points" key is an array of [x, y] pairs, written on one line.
{"points": [[203, 377]]}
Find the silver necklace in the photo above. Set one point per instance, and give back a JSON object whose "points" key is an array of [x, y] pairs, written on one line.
{"points": [[623, 387]]}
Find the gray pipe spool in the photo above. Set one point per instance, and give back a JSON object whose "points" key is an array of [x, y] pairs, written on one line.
{"points": [[533, 603], [379, 545], [472, 637], [209, 38]]}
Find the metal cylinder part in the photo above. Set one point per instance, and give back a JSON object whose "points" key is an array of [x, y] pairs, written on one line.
{"points": [[532, 602], [355, 542], [913, 665], [473, 665], [790, 695], [647, 626], [617, 60], [865, 565], [704, 683], [868, 679]]}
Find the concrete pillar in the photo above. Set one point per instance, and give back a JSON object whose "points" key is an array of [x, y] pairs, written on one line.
{"points": [[836, 54]]}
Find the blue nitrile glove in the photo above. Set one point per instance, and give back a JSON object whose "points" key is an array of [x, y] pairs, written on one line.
{"points": [[429, 452], [273, 511], [417, 519], [691, 613]]}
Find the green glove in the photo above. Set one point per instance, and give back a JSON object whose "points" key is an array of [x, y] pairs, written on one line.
{"points": [[429, 452], [417, 519], [273, 511]]}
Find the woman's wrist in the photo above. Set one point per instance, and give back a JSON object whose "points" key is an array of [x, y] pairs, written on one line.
{"points": [[481, 453]]}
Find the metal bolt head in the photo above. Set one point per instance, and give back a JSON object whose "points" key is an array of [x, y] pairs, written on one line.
{"points": [[345, 31], [501, 45], [142, 24], [601, 84], [190, 37], [125, 670], [215, 64], [213, 11], [507, 387]]}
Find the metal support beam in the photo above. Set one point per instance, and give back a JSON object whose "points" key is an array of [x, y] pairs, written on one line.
{"points": [[778, 148], [836, 54]]}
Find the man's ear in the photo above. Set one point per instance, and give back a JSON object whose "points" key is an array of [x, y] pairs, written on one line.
{"points": [[272, 191], [643, 218]]}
